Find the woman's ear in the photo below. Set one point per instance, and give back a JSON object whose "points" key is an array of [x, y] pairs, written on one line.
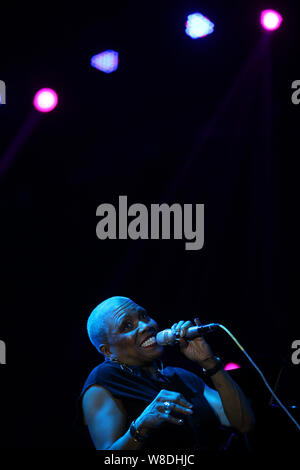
{"points": [[104, 349]]}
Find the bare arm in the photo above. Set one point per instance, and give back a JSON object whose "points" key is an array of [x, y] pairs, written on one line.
{"points": [[106, 417], [106, 420], [235, 404]]}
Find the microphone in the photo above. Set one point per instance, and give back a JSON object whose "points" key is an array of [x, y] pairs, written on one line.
{"points": [[169, 337]]}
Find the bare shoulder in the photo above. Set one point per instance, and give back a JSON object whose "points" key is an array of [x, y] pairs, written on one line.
{"points": [[97, 398], [104, 415]]}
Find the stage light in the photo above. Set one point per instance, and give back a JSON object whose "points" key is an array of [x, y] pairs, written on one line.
{"points": [[198, 26], [106, 61], [270, 20], [45, 100], [232, 366]]}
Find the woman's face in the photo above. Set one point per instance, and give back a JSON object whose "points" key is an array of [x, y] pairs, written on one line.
{"points": [[131, 335]]}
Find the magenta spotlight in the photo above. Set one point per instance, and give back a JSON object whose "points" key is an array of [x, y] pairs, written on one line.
{"points": [[232, 366], [270, 20], [106, 61], [198, 26], [45, 100]]}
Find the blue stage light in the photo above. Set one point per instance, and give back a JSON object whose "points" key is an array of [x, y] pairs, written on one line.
{"points": [[106, 61], [198, 26]]}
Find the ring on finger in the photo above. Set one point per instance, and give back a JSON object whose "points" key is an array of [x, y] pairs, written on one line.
{"points": [[167, 407]]}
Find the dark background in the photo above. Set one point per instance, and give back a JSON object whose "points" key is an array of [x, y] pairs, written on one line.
{"points": [[189, 121]]}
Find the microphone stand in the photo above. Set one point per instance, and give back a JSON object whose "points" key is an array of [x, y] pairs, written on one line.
{"points": [[283, 365]]}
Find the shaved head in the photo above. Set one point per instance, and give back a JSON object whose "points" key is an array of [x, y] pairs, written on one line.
{"points": [[98, 324], [119, 329]]}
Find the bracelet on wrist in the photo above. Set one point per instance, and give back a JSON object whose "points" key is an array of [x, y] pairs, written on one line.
{"points": [[136, 435], [219, 366]]}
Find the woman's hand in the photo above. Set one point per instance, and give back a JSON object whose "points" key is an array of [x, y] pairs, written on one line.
{"points": [[161, 408], [197, 349]]}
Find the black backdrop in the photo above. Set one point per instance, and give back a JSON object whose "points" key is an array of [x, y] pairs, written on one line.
{"points": [[208, 121]]}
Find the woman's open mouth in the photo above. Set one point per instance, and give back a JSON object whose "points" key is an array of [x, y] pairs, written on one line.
{"points": [[149, 342]]}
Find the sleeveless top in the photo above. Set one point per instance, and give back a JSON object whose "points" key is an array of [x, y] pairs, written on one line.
{"points": [[136, 388]]}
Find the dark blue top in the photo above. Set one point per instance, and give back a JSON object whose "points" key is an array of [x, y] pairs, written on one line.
{"points": [[136, 389]]}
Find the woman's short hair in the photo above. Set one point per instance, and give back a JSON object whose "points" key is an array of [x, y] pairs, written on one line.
{"points": [[97, 324]]}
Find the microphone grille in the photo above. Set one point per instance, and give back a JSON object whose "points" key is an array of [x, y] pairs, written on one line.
{"points": [[165, 337]]}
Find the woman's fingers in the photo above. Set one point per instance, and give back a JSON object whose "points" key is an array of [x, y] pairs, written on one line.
{"points": [[181, 327], [171, 419], [169, 402], [184, 328], [174, 398], [186, 410]]}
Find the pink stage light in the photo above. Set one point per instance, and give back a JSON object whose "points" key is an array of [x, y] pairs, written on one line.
{"points": [[270, 19], [45, 100], [232, 366]]}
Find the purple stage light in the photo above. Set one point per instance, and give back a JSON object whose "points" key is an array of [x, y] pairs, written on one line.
{"points": [[198, 26], [270, 20], [45, 100], [106, 61], [232, 366]]}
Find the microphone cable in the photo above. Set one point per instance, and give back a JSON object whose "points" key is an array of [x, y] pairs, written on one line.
{"points": [[260, 373]]}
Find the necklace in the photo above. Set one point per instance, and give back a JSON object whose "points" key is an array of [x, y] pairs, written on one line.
{"points": [[158, 372]]}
